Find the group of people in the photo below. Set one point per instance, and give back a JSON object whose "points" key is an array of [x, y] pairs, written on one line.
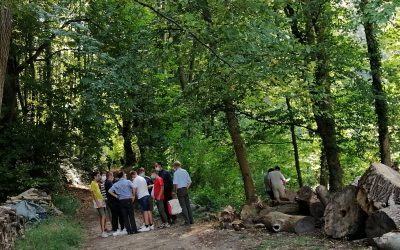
{"points": [[114, 195], [274, 183]]}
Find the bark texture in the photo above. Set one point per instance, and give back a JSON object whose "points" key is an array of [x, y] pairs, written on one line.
{"points": [[240, 151], [343, 216], [5, 37], [379, 187], [381, 106]]}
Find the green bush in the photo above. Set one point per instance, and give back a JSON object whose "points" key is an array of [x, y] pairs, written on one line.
{"points": [[68, 204], [58, 233]]}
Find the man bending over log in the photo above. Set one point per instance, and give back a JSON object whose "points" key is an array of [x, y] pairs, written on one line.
{"points": [[277, 182]]}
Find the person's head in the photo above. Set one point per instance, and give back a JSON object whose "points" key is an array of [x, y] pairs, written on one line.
{"points": [[277, 168], [176, 165], [110, 176], [103, 177], [96, 176], [153, 174], [141, 172], [395, 166], [270, 170], [158, 166], [133, 174], [121, 175]]}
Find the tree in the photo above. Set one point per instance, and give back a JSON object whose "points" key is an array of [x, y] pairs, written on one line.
{"points": [[5, 37], [375, 58]]}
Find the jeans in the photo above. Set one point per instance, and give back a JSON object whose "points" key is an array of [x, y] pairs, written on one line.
{"points": [[183, 198], [161, 211], [128, 215], [116, 215]]}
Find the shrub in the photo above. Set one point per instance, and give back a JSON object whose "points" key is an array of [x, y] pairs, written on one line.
{"points": [[68, 204]]}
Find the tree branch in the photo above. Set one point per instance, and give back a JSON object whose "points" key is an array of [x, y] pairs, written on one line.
{"points": [[44, 45]]}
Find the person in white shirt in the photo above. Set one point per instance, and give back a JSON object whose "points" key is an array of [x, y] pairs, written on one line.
{"points": [[182, 182], [141, 190], [277, 182]]}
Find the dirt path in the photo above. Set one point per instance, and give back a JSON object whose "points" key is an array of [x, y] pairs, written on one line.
{"points": [[201, 235]]}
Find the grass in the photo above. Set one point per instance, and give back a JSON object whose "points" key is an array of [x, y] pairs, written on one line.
{"points": [[68, 204], [58, 233]]}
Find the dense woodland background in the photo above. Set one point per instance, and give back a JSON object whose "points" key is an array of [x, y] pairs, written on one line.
{"points": [[228, 87]]}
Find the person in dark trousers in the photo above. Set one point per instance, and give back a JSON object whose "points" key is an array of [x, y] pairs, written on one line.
{"points": [[158, 195], [123, 191], [168, 187], [182, 182], [267, 185], [113, 204]]}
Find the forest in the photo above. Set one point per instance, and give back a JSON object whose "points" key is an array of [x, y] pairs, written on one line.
{"points": [[230, 88]]}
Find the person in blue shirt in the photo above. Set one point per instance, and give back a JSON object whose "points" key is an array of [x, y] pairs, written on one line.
{"points": [[182, 182], [123, 191]]}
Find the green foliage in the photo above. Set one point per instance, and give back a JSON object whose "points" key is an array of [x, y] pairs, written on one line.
{"points": [[56, 233], [67, 203]]}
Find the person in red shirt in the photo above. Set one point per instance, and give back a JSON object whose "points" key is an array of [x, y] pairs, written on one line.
{"points": [[158, 195]]}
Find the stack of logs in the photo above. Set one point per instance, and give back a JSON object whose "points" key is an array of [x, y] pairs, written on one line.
{"points": [[11, 227], [370, 207]]}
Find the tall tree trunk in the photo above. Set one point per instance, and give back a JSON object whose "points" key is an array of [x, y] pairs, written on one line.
{"points": [[5, 37], [324, 171], [9, 104], [240, 151], [129, 155], [316, 35], [294, 143], [48, 82], [381, 106]]}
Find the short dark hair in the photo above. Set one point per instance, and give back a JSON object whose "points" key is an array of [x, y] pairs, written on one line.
{"points": [[140, 170], [132, 173], [277, 168], [160, 163], [154, 171], [270, 170], [94, 174], [110, 174], [120, 174]]}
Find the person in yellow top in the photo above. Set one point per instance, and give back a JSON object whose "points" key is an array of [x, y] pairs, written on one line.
{"points": [[98, 202]]}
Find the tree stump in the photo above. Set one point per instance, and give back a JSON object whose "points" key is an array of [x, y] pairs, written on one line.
{"points": [[280, 222], [343, 215], [383, 221], [379, 187]]}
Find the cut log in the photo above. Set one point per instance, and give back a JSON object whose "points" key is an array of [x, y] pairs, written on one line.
{"points": [[389, 241], [248, 213], [383, 221], [11, 227], [343, 215], [280, 222], [289, 208], [308, 203], [379, 187], [323, 194]]}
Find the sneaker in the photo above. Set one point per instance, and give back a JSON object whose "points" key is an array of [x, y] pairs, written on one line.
{"points": [[145, 229], [167, 225], [151, 227], [104, 235], [123, 232], [142, 226], [116, 233]]}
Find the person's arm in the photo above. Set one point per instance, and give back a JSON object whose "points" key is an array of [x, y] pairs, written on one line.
{"points": [[134, 192], [189, 180], [112, 192], [175, 183], [283, 179]]}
